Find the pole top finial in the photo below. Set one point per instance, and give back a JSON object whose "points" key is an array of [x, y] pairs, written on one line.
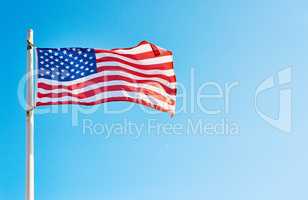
{"points": [[30, 34]]}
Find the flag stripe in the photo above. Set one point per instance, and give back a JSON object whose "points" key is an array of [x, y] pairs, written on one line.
{"points": [[141, 48], [110, 94], [90, 93], [147, 61], [143, 75], [106, 100], [165, 72], [137, 56], [49, 85], [105, 84], [110, 75], [159, 66]]}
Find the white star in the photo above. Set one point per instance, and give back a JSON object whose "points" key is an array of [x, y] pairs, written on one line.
{"points": [[72, 70], [73, 76], [91, 70], [90, 57], [56, 53], [87, 69], [42, 62], [71, 55], [46, 59], [79, 52], [41, 57], [91, 64], [46, 54], [61, 63], [85, 55], [46, 65], [82, 74], [81, 60], [62, 77], [76, 65], [52, 69], [64, 51], [88, 50], [71, 62], [67, 74], [76, 58], [81, 67], [50, 51], [51, 57], [67, 67]]}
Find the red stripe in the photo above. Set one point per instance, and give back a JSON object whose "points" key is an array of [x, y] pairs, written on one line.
{"points": [[162, 66], [106, 79], [140, 56], [107, 89], [128, 48], [128, 99], [117, 68], [141, 43]]}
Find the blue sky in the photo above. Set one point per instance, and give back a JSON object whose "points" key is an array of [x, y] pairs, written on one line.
{"points": [[222, 41]]}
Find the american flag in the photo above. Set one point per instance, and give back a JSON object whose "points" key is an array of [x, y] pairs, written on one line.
{"points": [[142, 74]]}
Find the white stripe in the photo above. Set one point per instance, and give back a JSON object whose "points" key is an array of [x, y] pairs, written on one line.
{"points": [[97, 97], [148, 61], [109, 83], [171, 85], [137, 50], [167, 72]]}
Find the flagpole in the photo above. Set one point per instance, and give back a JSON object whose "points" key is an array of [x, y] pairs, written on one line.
{"points": [[29, 121]]}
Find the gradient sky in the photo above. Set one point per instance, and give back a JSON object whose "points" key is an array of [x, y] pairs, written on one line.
{"points": [[222, 41]]}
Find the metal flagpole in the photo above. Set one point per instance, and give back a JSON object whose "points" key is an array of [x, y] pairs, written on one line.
{"points": [[29, 121]]}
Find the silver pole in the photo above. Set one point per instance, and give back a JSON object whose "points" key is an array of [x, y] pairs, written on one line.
{"points": [[29, 121]]}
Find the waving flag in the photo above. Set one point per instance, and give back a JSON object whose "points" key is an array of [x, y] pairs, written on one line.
{"points": [[142, 74]]}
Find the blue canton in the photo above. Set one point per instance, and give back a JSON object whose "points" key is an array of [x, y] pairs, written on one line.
{"points": [[65, 64]]}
